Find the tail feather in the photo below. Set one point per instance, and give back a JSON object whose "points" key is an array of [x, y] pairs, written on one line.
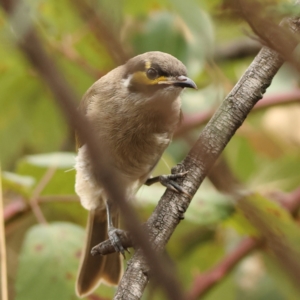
{"points": [[96, 269]]}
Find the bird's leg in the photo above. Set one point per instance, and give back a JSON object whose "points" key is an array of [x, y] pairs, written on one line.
{"points": [[169, 182], [114, 234]]}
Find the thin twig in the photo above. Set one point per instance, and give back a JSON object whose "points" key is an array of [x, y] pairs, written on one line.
{"points": [[4, 286], [33, 202], [206, 281]]}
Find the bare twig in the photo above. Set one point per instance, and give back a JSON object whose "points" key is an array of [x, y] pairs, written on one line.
{"points": [[19, 205], [33, 202], [206, 281], [3, 262], [263, 24]]}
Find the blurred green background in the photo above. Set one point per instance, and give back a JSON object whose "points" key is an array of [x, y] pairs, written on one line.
{"points": [[37, 148]]}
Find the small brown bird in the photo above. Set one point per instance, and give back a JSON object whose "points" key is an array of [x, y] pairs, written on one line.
{"points": [[134, 110]]}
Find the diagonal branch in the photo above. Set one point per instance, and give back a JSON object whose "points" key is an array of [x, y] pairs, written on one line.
{"points": [[213, 139], [3, 256]]}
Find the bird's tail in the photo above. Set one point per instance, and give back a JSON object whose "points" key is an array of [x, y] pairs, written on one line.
{"points": [[98, 269]]}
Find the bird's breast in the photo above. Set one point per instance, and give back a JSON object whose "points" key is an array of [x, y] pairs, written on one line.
{"points": [[141, 138]]}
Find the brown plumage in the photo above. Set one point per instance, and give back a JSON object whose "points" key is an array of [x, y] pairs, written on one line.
{"points": [[134, 110]]}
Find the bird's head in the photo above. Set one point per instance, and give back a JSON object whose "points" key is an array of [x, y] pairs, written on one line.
{"points": [[156, 74]]}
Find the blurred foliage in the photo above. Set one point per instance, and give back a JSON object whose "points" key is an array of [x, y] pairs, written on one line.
{"points": [[48, 246], [37, 147]]}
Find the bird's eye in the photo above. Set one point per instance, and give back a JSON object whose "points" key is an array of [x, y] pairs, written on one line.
{"points": [[151, 73]]}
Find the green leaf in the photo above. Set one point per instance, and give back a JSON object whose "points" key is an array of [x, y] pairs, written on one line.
{"points": [[160, 32], [18, 183], [61, 160], [270, 218], [49, 262], [209, 207], [200, 26], [241, 224], [139, 8], [281, 284]]}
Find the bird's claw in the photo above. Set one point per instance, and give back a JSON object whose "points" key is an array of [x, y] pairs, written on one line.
{"points": [[114, 237], [168, 182]]}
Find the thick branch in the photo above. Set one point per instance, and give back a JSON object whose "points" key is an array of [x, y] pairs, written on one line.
{"points": [[200, 159]]}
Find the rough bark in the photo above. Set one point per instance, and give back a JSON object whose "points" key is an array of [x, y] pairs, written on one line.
{"points": [[212, 141]]}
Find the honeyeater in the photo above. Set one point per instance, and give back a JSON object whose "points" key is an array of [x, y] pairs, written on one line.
{"points": [[134, 109]]}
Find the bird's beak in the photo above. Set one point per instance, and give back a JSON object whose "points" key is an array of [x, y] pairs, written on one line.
{"points": [[181, 81]]}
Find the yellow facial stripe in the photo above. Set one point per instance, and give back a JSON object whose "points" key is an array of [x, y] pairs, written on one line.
{"points": [[140, 77]]}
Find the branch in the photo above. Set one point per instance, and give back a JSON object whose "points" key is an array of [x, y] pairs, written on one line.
{"points": [[3, 256], [213, 139], [264, 25], [206, 281], [33, 202]]}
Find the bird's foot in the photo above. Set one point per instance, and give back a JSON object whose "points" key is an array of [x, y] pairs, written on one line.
{"points": [[169, 182], [115, 237]]}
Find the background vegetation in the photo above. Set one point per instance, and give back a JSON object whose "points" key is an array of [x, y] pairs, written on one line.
{"points": [[44, 222]]}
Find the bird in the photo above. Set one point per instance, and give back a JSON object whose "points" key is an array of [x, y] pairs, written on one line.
{"points": [[134, 109]]}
